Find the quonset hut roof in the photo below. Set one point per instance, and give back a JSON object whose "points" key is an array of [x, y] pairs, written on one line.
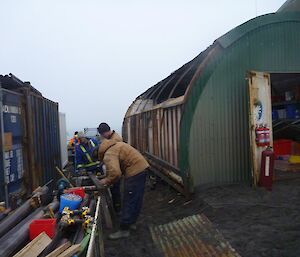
{"points": [[178, 83], [290, 6], [174, 86]]}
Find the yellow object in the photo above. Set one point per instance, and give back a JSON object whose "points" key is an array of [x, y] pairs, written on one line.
{"points": [[294, 159], [51, 213]]}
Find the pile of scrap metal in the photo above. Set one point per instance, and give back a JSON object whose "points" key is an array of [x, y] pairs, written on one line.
{"points": [[14, 228], [76, 229]]}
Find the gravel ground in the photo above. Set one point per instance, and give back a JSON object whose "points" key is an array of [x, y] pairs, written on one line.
{"points": [[255, 222]]}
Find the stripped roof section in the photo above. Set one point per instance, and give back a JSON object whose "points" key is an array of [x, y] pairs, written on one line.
{"points": [[191, 236]]}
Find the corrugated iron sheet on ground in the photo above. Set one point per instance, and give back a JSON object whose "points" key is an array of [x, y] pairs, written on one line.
{"points": [[191, 236]]}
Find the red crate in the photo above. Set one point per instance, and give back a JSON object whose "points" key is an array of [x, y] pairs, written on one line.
{"points": [[36, 227], [76, 190], [283, 147]]}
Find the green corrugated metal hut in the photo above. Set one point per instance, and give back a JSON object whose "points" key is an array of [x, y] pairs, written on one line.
{"points": [[194, 125]]}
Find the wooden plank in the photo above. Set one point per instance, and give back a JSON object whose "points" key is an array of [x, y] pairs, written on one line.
{"points": [[35, 247], [107, 216], [70, 251], [59, 250]]}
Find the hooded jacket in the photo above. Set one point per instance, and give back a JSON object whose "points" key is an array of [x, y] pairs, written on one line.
{"points": [[115, 136], [121, 159]]}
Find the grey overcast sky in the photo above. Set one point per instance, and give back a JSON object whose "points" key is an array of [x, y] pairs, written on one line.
{"points": [[95, 57]]}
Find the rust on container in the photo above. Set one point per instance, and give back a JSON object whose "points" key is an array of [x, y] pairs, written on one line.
{"points": [[191, 236]]}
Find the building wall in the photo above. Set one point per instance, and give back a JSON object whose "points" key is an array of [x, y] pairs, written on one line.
{"points": [[155, 132], [218, 149]]}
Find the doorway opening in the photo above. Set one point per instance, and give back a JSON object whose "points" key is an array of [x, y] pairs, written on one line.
{"points": [[285, 97]]}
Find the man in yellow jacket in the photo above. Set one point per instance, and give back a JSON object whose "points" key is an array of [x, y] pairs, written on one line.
{"points": [[106, 133], [121, 159]]}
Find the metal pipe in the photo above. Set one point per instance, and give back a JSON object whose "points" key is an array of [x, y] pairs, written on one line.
{"points": [[89, 188], [92, 207], [16, 238], [91, 248], [85, 201], [79, 235], [20, 213], [4, 214]]}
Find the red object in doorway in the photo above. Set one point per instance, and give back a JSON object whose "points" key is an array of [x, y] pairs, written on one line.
{"points": [[266, 169], [283, 147], [260, 135], [267, 135], [36, 227]]}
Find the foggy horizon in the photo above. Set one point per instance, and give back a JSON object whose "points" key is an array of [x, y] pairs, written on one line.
{"points": [[94, 58]]}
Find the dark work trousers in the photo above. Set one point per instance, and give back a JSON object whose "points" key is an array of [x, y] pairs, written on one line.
{"points": [[134, 188], [116, 195]]}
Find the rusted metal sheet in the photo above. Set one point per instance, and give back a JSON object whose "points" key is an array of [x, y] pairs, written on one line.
{"points": [[156, 132], [45, 139], [260, 110], [191, 236]]}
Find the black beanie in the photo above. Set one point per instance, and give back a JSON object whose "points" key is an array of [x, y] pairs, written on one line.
{"points": [[103, 127]]}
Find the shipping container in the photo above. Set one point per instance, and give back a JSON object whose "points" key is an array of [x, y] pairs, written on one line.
{"points": [[196, 125], [30, 139], [12, 145], [63, 139]]}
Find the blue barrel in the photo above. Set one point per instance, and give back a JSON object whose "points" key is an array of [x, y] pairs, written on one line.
{"points": [[290, 111], [69, 200]]}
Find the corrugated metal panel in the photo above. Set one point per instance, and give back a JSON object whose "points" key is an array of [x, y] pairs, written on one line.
{"points": [[290, 6], [213, 132], [43, 138], [191, 236], [215, 118], [248, 27], [63, 139], [155, 132], [33, 122]]}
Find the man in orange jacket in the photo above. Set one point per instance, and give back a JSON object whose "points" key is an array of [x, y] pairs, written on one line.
{"points": [[74, 140]]}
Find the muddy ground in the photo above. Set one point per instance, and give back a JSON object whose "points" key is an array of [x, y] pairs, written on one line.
{"points": [[255, 222]]}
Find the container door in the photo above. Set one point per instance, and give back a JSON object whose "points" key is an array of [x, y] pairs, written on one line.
{"points": [[63, 139], [12, 149], [260, 107]]}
